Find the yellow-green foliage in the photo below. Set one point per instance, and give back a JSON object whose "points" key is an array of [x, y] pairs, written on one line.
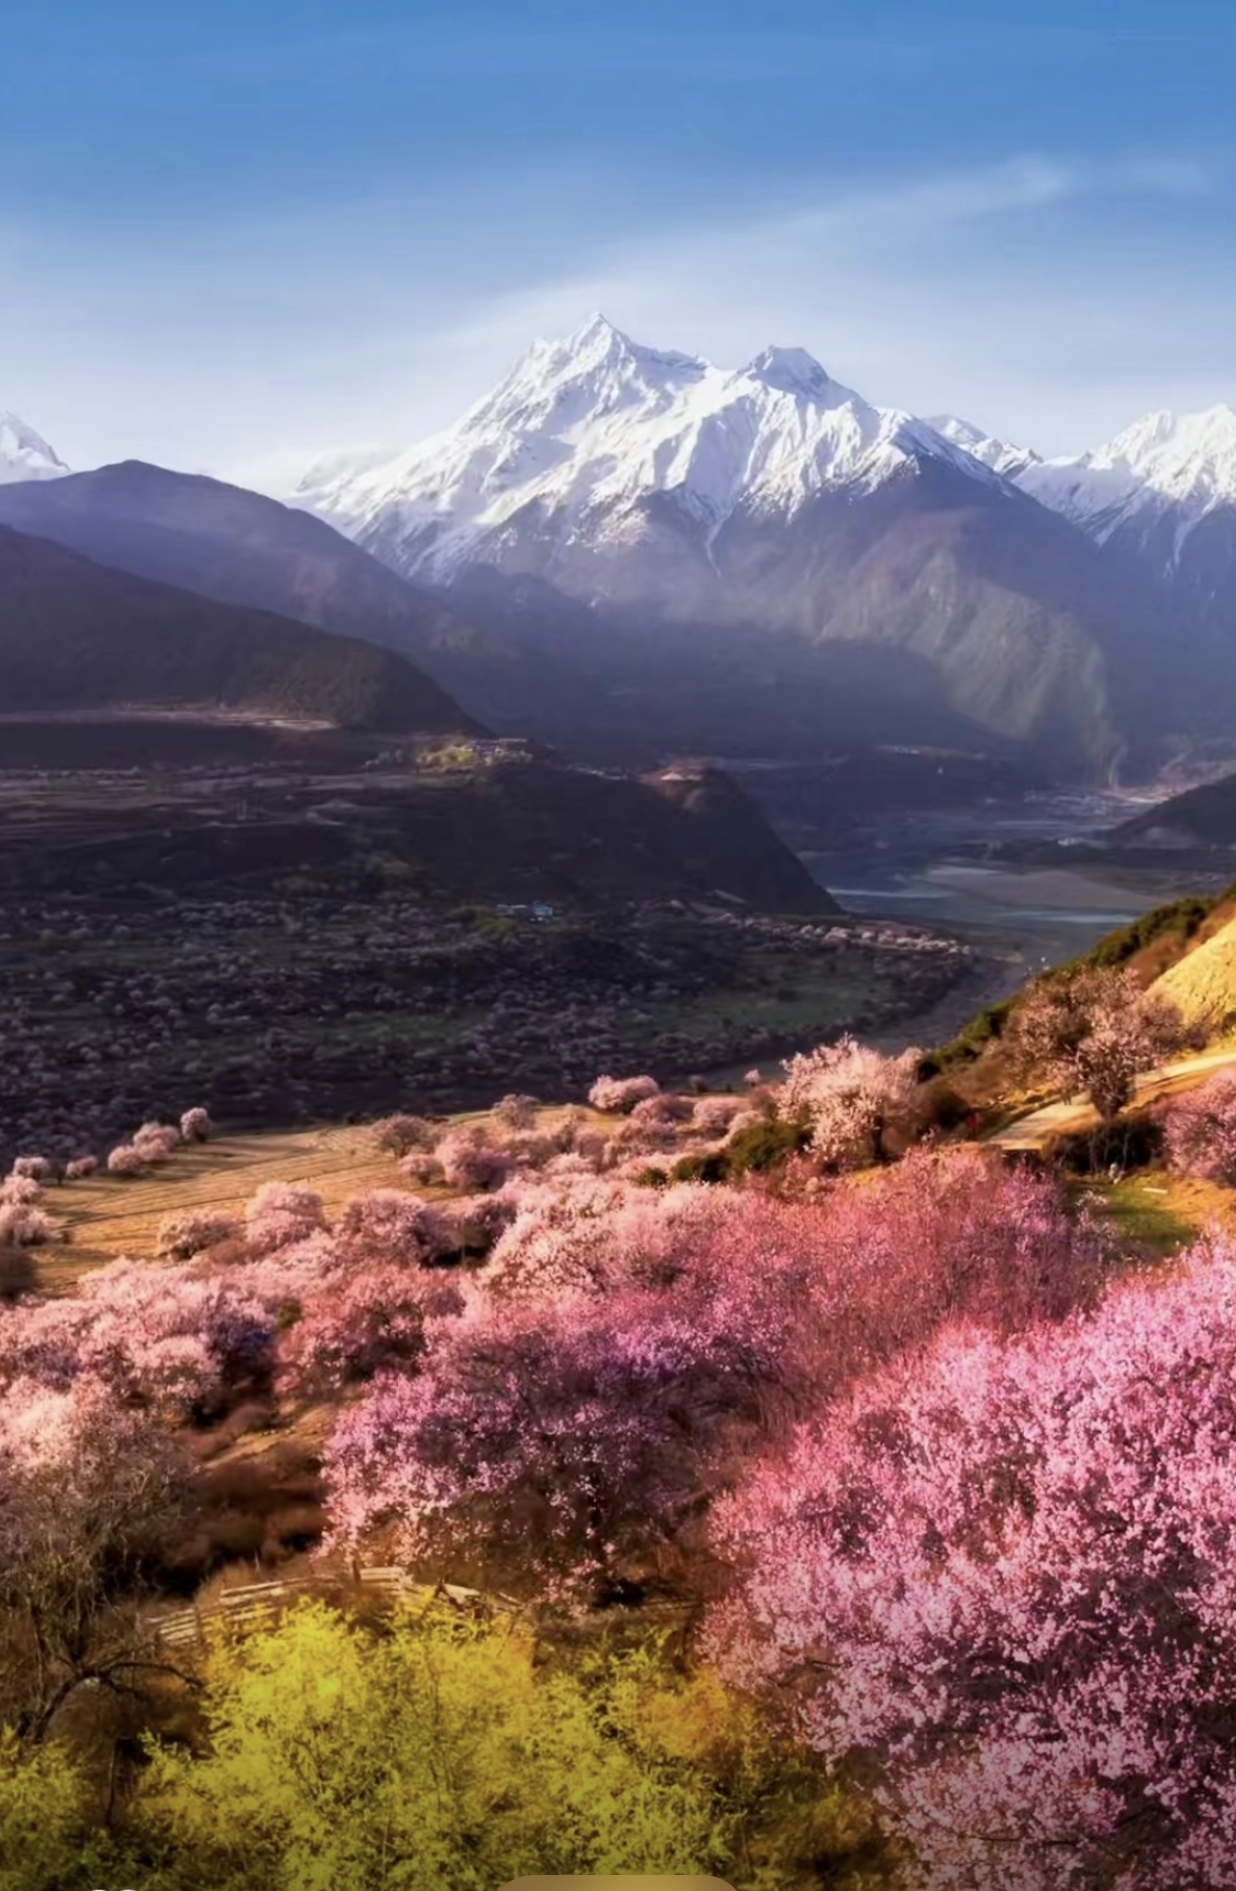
{"points": [[428, 1758], [432, 1755], [47, 1834]]}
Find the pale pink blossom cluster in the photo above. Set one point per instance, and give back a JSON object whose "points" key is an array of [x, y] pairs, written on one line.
{"points": [[714, 1116], [195, 1125], [852, 1096], [86, 1484], [618, 1096], [23, 1222], [162, 1337], [397, 1135], [280, 1214], [33, 1168], [1199, 1130], [573, 1447], [277, 1296], [151, 1144], [1007, 1568], [391, 1225], [469, 1161], [1092, 1034]]}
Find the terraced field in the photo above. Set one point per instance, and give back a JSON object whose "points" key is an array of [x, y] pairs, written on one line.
{"points": [[107, 1216]]}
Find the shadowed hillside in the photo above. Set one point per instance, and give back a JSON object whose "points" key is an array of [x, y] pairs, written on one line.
{"points": [[75, 635]]}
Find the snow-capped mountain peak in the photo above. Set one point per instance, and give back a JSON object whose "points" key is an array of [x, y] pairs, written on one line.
{"points": [[1000, 455], [586, 438], [24, 454], [1165, 464], [794, 371]]}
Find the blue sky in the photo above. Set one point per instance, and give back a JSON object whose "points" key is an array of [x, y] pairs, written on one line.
{"points": [[234, 235]]}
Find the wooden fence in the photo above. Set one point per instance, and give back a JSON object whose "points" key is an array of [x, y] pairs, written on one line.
{"points": [[257, 1605]]}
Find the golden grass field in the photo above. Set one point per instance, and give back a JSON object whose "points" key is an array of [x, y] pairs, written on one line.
{"points": [[107, 1216], [1203, 983]]}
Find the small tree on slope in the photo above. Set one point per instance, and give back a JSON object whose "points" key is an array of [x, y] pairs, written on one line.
{"points": [[1093, 1035]]}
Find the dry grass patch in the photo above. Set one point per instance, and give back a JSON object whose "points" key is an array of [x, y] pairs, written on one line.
{"points": [[106, 1216]]}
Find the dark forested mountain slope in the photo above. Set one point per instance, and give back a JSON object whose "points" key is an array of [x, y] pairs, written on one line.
{"points": [[75, 635]]}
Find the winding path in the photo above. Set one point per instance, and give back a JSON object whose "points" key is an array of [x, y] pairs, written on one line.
{"points": [[1029, 1134]]}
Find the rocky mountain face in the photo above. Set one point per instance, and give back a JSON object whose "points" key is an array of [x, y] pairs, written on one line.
{"points": [[764, 547], [598, 444], [1162, 495]]}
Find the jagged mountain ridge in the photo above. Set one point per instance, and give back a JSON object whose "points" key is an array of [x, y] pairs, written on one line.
{"points": [[628, 550], [582, 433], [767, 519], [1000, 456], [1162, 494]]}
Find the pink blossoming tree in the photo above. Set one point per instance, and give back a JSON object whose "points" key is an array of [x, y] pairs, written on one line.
{"points": [[1007, 1572]]}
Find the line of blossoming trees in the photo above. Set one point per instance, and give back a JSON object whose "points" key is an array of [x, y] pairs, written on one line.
{"points": [[953, 1485]]}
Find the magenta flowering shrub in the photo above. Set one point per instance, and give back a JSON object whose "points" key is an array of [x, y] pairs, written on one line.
{"points": [[398, 1135], [22, 1225], [744, 1311], [475, 1222], [21, 1190], [714, 1116], [1092, 1034], [515, 1112], [567, 1449], [1007, 1569], [166, 1337], [158, 1336], [653, 1125], [422, 1167], [126, 1159], [389, 1225], [664, 1111], [940, 1233], [33, 1168], [617, 1096], [1199, 1130], [157, 1140], [80, 1168], [564, 1238], [281, 1213], [359, 1323]]}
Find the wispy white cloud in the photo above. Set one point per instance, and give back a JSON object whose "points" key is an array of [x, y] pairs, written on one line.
{"points": [[1051, 299]]}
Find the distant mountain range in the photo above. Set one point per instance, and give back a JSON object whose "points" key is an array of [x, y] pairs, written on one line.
{"points": [[772, 513], [626, 550]]}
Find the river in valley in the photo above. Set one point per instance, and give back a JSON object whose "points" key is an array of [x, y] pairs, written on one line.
{"points": [[937, 869]]}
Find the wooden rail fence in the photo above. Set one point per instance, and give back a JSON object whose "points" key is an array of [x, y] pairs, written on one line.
{"points": [[259, 1604], [256, 1604]]}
